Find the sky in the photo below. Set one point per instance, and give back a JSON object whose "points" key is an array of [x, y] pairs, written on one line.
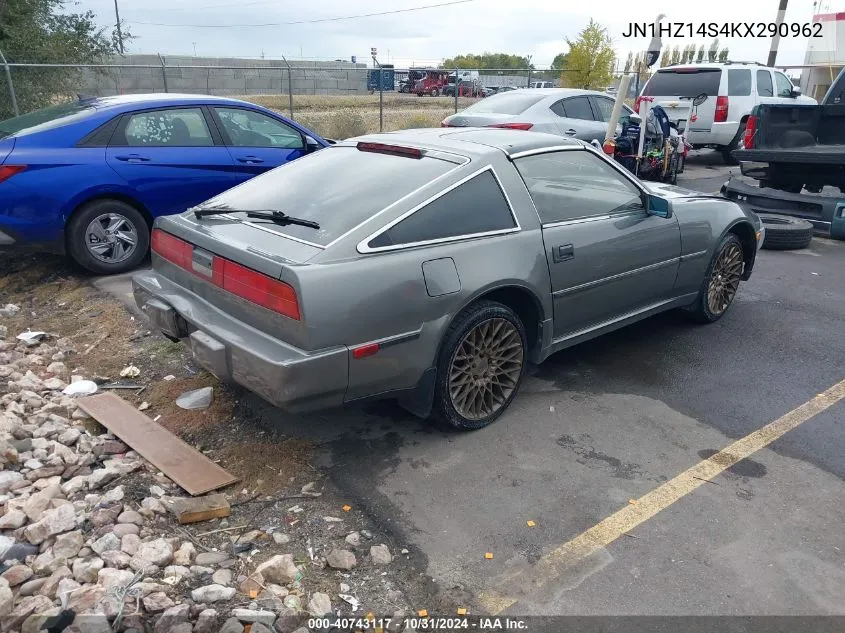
{"points": [[529, 27]]}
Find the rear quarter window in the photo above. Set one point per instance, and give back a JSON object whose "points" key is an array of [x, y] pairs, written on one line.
{"points": [[684, 83], [739, 82], [46, 118], [475, 206]]}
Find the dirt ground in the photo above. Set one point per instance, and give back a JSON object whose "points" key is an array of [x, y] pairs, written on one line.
{"points": [[56, 297]]}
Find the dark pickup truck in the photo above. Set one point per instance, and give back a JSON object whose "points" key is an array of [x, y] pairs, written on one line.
{"points": [[790, 147]]}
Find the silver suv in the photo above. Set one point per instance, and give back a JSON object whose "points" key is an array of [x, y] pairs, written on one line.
{"points": [[732, 88]]}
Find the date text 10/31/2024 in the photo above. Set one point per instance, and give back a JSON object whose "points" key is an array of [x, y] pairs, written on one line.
{"points": [[727, 29], [419, 624]]}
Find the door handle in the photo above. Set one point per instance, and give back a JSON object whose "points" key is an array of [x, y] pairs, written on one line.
{"points": [[250, 160], [563, 253], [133, 158], [571, 132]]}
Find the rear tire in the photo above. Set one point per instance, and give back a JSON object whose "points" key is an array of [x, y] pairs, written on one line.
{"points": [[108, 237], [435, 93], [480, 367], [721, 282], [785, 233], [734, 144]]}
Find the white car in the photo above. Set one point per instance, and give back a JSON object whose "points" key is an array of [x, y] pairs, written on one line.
{"points": [[733, 89], [543, 84]]}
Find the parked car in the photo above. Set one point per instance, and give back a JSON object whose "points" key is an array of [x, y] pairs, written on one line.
{"points": [[733, 89], [432, 266], [788, 147], [88, 178], [581, 114], [543, 84]]}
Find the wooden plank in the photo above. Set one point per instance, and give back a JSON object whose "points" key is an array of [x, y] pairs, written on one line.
{"points": [[199, 508], [189, 468]]}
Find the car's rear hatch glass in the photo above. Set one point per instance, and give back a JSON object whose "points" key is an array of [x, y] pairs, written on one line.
{"points": [[505, 103], [684, 82], [339, 187]]}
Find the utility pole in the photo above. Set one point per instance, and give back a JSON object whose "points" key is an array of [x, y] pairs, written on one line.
{"points": [[117, 24], [773, 51]]}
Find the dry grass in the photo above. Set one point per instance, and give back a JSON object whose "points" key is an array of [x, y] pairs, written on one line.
{"points": [[341, 117]]}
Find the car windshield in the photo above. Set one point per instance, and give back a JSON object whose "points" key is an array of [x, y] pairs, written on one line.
{"points": [[505, 104], [338, 188], [687, 82], [45, 118]]}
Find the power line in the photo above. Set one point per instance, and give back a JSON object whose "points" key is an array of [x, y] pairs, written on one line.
{"points": [[315, 21]]}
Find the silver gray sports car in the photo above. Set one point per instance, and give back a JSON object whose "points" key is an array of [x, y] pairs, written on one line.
{"points": [[431, 266]]}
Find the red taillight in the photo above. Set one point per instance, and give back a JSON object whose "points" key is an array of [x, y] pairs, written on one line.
{"points": [[257, 288], [721, 114], [365, 350], [244, 282], [513, 126], [750, 130], [384, 148], [172, 249], [7, 171]]}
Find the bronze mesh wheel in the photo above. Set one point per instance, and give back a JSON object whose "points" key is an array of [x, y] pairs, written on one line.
{"points": [[724, 281]]}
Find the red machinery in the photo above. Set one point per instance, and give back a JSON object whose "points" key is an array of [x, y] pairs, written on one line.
{"points": [[432, 83]]}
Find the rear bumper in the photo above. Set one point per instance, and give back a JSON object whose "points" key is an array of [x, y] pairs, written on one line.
{"points": [[11, 239], [290, 378], [720, 134]]}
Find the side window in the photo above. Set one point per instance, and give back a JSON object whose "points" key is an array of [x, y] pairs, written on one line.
{"points": [[604, 108], [253, 129], [182, 127], [764, 84], [576, 184], [739, 82], [476, 206], [557, 108], [784, 85], [578, 108]]}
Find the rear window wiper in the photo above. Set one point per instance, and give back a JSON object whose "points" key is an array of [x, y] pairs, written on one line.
{"points": [[276, 217]]}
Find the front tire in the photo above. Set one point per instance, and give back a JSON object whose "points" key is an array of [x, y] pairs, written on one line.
{"points": [[721, 282], [108, 237], [481, 365]]}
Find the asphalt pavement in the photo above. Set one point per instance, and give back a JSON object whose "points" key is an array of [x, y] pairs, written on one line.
{"points": [[596, 452]]}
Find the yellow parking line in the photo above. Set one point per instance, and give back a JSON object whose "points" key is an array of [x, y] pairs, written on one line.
{"points": [[553, 564]]}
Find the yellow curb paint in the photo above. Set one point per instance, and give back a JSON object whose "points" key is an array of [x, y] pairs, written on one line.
{"points": [[641, 510]]}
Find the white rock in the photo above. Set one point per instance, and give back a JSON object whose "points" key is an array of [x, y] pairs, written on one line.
{"points": [[37, 503], [186, 554], [353, 539], [7, 600], [280, 569], [158, 601], [280, 538], [341, 559], [212, 593], [158, 552], [113, 578], [130, 516], [154, 505], [319, 605], [101, 477], [56, 368], [380, 555], [12, 520], [222, 577], [255, 615], [67, 546], [61, 519], [75, 485], [86, 570], [106, 543], [69, 436], [8, 478], [129, 543]]}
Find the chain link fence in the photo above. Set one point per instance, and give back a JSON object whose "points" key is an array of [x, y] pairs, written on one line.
{"points": [[336, 99]]}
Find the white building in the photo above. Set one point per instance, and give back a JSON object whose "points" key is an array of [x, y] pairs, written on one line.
{"points": [[825, 55]]}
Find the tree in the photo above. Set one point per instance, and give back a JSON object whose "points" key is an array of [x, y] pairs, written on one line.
{"points": [[559, 62], [590, 59], [504, 61], [700, 57], [688, 54], [723, 55], [47, 31], [676, 55], [666, 58], [713, 51]]}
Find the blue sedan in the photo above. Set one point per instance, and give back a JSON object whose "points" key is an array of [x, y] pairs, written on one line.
{"points": [[88, 178]]}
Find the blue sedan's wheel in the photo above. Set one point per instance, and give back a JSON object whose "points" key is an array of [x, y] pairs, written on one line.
{"points": [[108, 237], [481, 366]]}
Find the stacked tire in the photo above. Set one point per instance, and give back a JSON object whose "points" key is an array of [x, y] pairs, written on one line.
{"points": [[785, 233]]}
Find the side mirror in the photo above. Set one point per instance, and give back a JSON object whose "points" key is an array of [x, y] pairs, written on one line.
{"points": [[796, 92], [311, 144], [659, 207]]}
